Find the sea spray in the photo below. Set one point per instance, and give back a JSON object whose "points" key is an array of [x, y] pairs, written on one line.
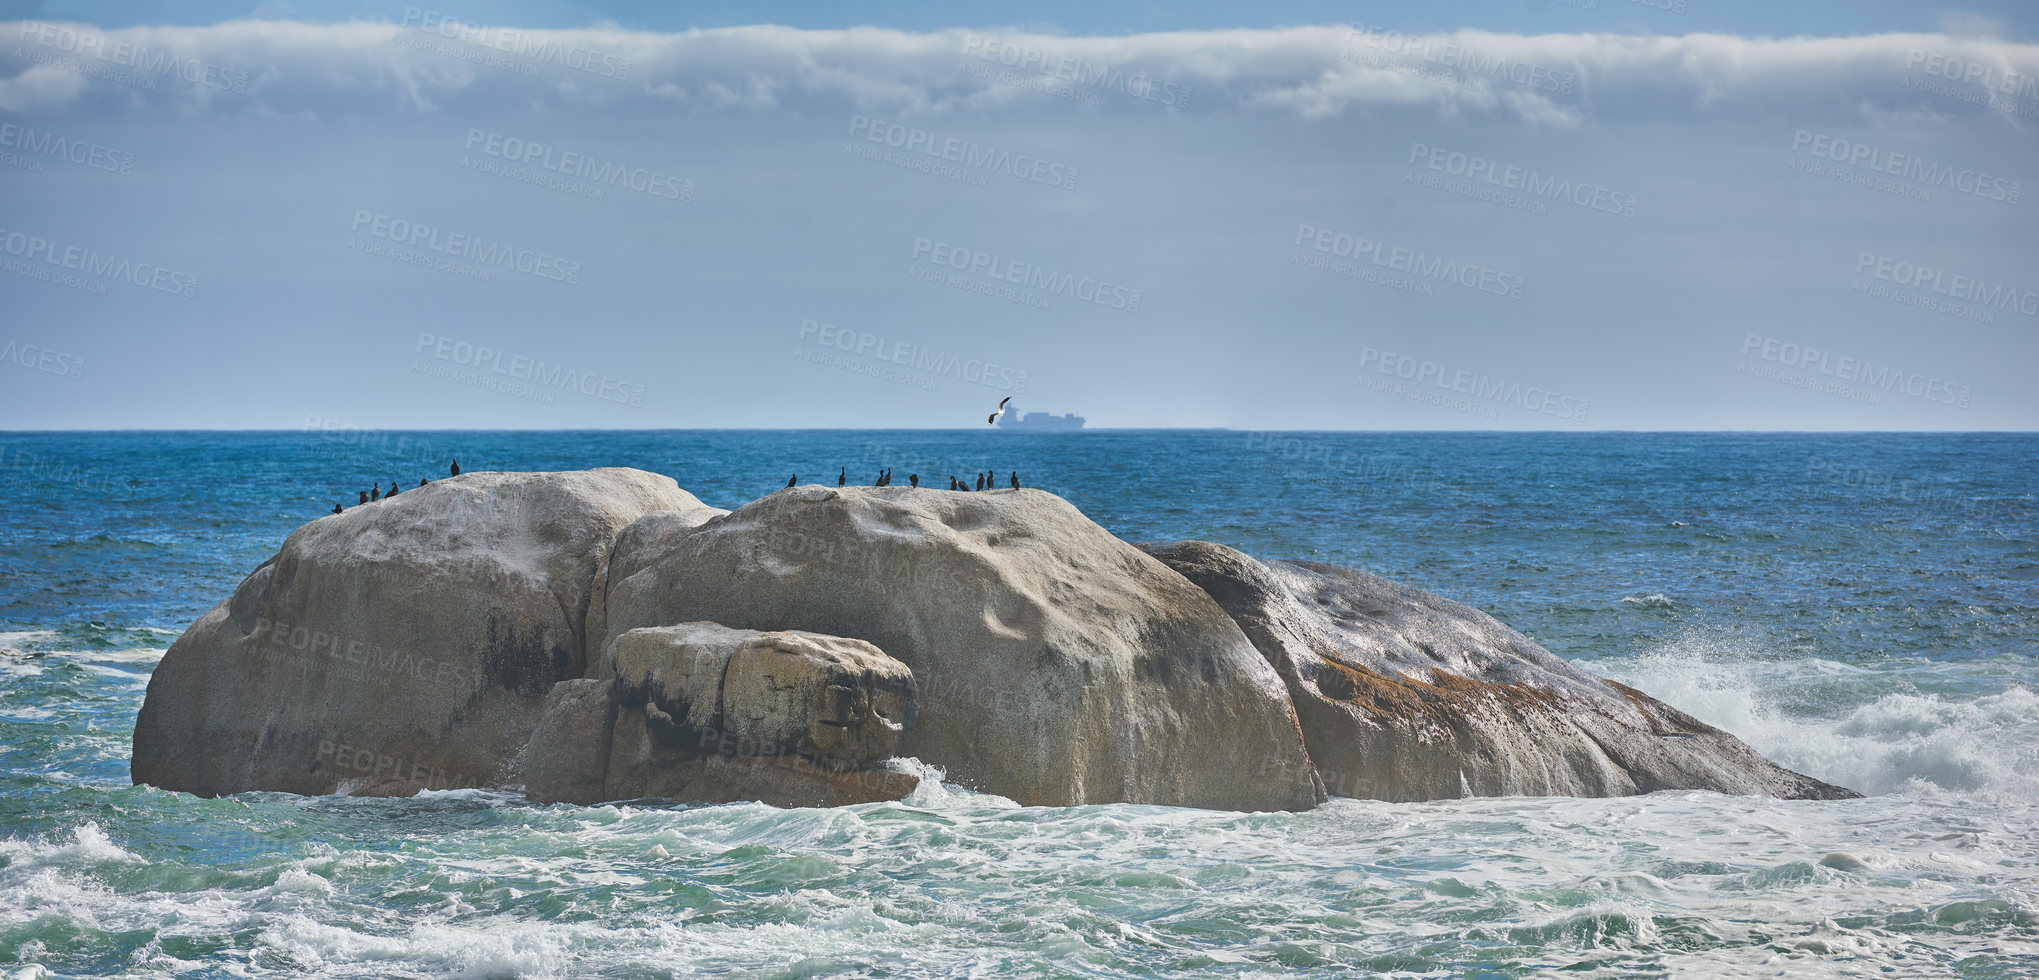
{"points": [[1873, 730]]}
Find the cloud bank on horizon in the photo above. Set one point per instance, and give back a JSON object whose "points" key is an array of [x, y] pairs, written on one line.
{"points": [[438, 223]]}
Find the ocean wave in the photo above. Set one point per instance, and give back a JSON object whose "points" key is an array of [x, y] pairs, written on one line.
{"points": [[23, 641], [1874, 730], [100, 542]]}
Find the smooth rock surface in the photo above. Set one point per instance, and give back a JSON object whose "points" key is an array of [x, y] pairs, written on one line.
{"points": [[1404, 695], [1057, 665], [839, 702], [404, 644], [567, 759], [700, 712]]}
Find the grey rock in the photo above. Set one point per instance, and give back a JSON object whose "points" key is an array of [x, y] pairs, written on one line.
{"points": [[406, 644], [1056, 664], [1404, 695], [699, 712]]}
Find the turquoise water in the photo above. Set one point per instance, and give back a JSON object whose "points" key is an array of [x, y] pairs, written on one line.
{"points": [[1861, 607]]}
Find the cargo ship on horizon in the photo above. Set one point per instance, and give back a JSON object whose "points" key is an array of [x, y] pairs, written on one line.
{"points": [[1041, 422]]}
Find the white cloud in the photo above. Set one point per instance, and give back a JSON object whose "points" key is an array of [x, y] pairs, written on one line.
{"points": [[1318, 73]]}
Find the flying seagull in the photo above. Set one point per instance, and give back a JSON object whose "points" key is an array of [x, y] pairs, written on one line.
{"points": [[995, 416]]}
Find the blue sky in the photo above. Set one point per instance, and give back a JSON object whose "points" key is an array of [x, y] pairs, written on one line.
{"points": [[1507, 215]]}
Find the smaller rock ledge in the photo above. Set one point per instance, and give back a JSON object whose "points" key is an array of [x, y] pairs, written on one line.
{"points": [[700, 712]]}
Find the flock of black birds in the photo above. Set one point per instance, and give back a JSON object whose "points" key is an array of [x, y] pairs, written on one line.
{"points": [[985, 481], [376, 493]]}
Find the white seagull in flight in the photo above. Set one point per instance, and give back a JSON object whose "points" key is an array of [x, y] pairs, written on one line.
{"points": [[993, 420]]}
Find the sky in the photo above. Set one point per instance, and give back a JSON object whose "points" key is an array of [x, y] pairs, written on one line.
{"points": [[1601, 214]]}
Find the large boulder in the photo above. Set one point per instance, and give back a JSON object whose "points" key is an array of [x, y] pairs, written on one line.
{"points": [[1056, 665], [704, 713], [404, 644], [1404, 695]]}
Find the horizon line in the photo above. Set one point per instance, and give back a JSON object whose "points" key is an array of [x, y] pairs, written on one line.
{"points": [[1219, 428]]}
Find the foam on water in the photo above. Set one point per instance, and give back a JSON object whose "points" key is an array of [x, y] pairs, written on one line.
{"points": [[23, 640], [1875, 731]]}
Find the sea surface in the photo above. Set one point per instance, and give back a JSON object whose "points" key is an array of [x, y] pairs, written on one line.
{"points": [[1864, 608]]}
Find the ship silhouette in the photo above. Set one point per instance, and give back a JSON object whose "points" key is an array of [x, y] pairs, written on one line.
{"points": [[1040, 422]]}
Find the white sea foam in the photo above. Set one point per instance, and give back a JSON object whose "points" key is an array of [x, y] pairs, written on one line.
{"points": [[24, 640], [1873, 739]]}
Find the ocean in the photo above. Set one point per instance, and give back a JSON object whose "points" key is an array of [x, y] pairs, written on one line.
{"points": [[1861, 607]]}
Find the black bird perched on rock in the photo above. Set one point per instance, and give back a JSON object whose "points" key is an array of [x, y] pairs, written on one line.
{"points": [[913, 478], [456, 467], [392, 489], [980, 481], [364, 496], [336, 508], [376, 494], [884, 478], [1015, 479], [422, 481], [795, 478], [843, 477]]}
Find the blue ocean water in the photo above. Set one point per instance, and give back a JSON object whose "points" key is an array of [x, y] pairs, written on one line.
{"points": [[1862, 607]]}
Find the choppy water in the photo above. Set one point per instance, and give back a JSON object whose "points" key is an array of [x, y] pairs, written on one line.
{"points": [[1864, 608]]}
